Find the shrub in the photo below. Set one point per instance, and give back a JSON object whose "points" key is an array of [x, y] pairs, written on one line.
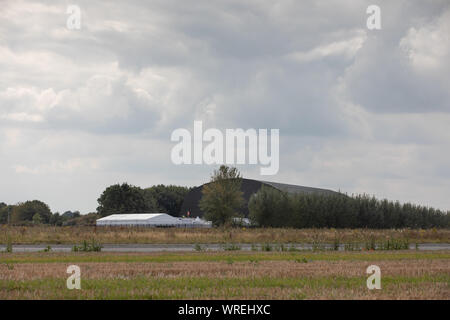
{"points": [[352, 246], [9, 247], [47, 249], [87, 247], [231, 247], [198, 247]]}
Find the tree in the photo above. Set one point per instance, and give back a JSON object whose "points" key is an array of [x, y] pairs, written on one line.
{"points": [[151, 202], [167, 199], [5, 210], [25, 211], [37, 219], [69, 214], [82, 220], [55, 219], [267, 206], [222, 197], [122, 198]]}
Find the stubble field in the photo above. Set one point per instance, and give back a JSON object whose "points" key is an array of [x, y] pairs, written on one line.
{"points": [[226, 275]]}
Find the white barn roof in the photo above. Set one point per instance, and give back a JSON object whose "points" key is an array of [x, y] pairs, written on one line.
{"points": [[149, 219], [157, 219]]}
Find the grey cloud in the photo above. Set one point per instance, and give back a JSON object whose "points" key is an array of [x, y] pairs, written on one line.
{"points": [[358, 110], [384, 77]]}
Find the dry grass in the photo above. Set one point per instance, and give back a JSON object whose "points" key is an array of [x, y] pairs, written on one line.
{"points": [[125, 235], [329, 275], [219, 270]]}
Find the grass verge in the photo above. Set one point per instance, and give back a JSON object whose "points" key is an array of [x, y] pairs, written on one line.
{"points": [[128, 235], [54, 257]]}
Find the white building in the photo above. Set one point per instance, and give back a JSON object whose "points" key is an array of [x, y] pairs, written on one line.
{"points": [[243, 222], [196, 222], [151, 220]]}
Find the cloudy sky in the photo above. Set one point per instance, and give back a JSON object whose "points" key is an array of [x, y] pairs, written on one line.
{"points": [[361, 111]]}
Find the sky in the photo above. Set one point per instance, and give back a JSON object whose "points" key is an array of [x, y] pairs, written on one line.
{"points": [[358, 110]]}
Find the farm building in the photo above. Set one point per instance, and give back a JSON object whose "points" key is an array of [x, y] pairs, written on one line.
{"points": [[248, 187], [151, 220]]}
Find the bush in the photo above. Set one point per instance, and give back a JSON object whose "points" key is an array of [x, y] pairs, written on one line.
{"points": [[199, 247], [87, 247], [231, 247], [82, 220], [9, 247]]}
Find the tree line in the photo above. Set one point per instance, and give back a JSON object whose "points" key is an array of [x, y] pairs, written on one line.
{"points": [[36, 212], [270, 207], [222, 201], [118, 198]]}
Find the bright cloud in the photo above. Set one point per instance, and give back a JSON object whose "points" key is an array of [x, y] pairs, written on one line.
{"points": [[358, 110]]}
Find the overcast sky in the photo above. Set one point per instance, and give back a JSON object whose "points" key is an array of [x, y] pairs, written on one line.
{"points": [[361, 111]]}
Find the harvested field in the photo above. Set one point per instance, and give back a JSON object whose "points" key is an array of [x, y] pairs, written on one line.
{"points": [[237, 275]]}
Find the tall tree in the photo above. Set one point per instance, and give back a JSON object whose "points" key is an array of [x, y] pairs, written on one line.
{"points": [[5, 211], [122, 198], [222, 197], [268, 206], [168, 198], [25, 211]]}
